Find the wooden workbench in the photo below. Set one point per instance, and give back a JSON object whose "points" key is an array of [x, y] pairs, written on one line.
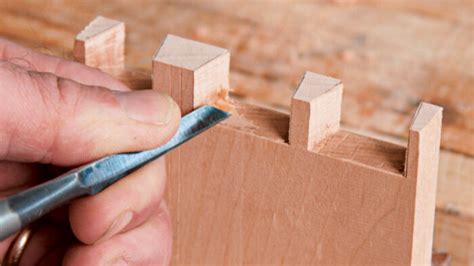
{"points": [[390, 56]]}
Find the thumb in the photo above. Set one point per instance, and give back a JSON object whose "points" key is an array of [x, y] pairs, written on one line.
{"points": [[49, 119]]}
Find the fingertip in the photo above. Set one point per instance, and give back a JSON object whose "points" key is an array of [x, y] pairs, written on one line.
{"points": [[86, 216], [153, 118], [149, 106], [105, 122], [148, 244], [73, 123], [174, 117], [121, 207]]}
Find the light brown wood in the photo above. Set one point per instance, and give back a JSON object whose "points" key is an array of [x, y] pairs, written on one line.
{"points": [[192, 73], [275, 47], [240, 194], [382, 90], [454, 225], [242, 197], [391, 56], [368, 151], [101, 44], [422, 166], [315, 110], [453, 234]]}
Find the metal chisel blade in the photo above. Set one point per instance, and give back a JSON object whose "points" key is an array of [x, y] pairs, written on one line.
{"points": [[19, 210]]}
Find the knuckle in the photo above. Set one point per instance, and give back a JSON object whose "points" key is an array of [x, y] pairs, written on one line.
{"points": [[44, 89], [69, 94], [10, 70], [31, 91]]}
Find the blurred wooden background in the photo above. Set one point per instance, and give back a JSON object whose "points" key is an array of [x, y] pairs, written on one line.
{"points": [[390, 55]]}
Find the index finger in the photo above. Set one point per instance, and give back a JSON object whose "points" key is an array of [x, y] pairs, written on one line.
{"points": [[32, 60]]}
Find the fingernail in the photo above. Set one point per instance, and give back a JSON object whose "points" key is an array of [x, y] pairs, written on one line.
{"points": [[146, 106], [117, 225]]}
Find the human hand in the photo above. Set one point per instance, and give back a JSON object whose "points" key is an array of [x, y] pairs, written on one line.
{"points": [[61, 113]]}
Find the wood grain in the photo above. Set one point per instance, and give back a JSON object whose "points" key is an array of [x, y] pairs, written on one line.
{"points": [[385, 89], [358, 230], [454, 223], [101, 44], [315, 110], [454, 234], [390, 54], [368, 151], [421, 165], [271, 203], [191, 72]]}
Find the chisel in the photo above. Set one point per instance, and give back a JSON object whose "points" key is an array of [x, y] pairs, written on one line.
{"points": [[19, 210]]}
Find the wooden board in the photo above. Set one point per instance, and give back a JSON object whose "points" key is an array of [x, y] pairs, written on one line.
{"points": [[241, 197], [315, 109], [194, 68], [101, 44], [454, 234], [357, 212], [390, 54]]}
